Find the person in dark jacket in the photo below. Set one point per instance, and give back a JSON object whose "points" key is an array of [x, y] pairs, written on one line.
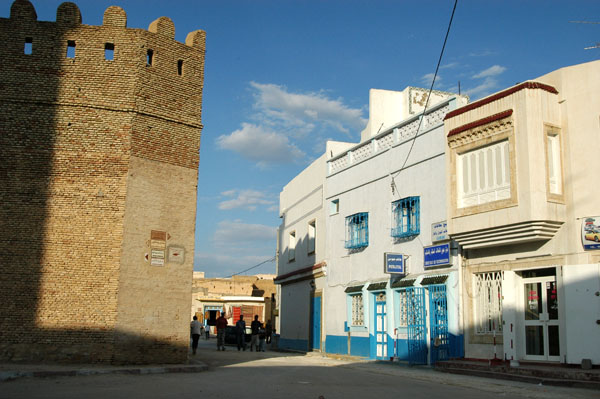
{"points": [[268, 331], [221, 326], [255, 327], [240, 331]]}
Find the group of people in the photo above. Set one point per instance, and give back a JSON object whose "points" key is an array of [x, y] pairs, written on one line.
{"points": [[259, 334]]}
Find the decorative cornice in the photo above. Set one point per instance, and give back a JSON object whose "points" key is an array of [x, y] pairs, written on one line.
{"points": [[499, 95], [313, 270], [532, 230], [481, 122]]}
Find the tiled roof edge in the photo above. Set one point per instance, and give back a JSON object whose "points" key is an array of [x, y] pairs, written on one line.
{"points": [[480, 122], [499, 95]]}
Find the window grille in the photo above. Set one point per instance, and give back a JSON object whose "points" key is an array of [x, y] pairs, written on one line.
{"points": [[406, 214], [488, 302], [484, 175], [357, 310], [403, 311], [357, 230]]}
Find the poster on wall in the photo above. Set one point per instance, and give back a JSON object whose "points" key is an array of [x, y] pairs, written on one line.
{"points": [[590, 232]]}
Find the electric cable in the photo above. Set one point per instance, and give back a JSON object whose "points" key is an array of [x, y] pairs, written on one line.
{"points": [[428, 95], [254, 267]]}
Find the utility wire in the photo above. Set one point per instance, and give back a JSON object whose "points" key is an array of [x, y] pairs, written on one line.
{"points": [[254, 267], [429, 95]]}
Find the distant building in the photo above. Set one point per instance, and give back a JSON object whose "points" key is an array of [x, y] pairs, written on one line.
{"points": [[239, 295], [523, 205], [99, 146]]}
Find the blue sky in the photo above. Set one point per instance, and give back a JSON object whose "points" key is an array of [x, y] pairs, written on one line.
{"points": [[282, 77]]}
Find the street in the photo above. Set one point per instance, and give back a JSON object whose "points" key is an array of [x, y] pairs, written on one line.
{"points": [[271, 374]]}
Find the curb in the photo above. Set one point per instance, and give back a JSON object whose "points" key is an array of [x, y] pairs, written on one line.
{"points": [[13, 375]]}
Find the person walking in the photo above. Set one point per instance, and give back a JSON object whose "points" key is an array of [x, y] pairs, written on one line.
{"points": [[195, 331], [268, 331], [207, 330], [221, 326], [255, 326], [240, 331]]}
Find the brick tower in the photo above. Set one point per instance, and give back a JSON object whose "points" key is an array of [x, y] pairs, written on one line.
{"points": [[99, 141]]}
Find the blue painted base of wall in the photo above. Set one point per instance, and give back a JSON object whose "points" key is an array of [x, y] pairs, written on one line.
{"points": [[456, 347], [338, 344], [293, 344]]}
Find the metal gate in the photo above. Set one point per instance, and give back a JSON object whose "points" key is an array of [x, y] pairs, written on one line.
{"points": [[381, 326], [438, 322], [417, 325]]}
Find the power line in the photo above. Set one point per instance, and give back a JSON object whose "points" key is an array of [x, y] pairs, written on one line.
{"points": [[255, 266], [428, 95]]}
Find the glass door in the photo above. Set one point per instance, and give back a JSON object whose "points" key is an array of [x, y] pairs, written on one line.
{"points": [[541, 319]]}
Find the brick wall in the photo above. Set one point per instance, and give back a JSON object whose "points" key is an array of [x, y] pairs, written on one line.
{"points": [[96, 154]]}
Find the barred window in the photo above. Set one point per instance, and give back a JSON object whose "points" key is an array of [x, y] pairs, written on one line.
{"points": [[357, 230], [403, 309], [357, 310], [488, 302]]}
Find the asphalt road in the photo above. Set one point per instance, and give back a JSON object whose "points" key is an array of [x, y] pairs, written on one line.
{"points": [[239, 375]]}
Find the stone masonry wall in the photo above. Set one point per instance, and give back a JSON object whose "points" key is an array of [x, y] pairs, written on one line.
{"points": [[97, 154]]}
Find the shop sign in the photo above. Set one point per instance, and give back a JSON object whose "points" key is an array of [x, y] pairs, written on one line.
{"points": [[590, 232], [394, 263], [436, 255], [439, 231]]}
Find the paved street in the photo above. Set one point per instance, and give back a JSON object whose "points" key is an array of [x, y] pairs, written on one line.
{"points": [[234, 374]]}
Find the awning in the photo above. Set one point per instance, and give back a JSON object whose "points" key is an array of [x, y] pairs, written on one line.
{"points": [[356, 288], [405, 282], [434, 280], [377, 286]]}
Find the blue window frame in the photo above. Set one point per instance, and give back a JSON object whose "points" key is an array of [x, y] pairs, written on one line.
{"points": [[357, 230], [407, 215]]}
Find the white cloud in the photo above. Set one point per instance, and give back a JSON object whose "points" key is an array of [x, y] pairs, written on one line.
{"points": [[294, 109], [246, 199], [285, 123], [483, 89], [261, 145], [427, 78], [236, 234], [450, 65], [491, 71]]}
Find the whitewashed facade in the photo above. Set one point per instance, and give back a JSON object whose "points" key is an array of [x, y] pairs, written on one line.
{"points": [[375, 193], [523, 205]]}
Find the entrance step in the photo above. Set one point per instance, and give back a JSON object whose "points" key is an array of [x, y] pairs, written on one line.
{"points": [[535, 373]]}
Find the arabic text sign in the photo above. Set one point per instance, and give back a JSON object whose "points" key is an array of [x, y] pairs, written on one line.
{"points": [[439, 231], [394, 263], [437, 255]]}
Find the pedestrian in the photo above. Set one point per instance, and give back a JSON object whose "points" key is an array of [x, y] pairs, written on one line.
{"points": [[255, 326], [240, 331], [261, 339], [207, 330], [221, 326], [195, 331], [268, 331]]}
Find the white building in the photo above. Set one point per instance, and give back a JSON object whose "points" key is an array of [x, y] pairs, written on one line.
{"points": [[301, 265], [523, 205], [383, 195]]}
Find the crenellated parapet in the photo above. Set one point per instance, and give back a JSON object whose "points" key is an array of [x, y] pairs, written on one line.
{"points": [[110, 66]]}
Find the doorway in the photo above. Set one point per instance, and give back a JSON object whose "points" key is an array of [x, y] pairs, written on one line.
{"points": [[381, 341], [540, 316]]}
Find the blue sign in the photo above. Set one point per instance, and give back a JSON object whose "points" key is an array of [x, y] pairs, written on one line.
{"points": [[394, 263], [437, 255]]}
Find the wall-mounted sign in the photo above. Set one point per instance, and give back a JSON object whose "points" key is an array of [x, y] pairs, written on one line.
{"points": [[176, 254], [437, 255], [590, 232], [439, 231], [394, 263]]}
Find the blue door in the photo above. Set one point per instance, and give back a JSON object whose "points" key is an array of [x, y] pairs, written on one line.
{"points": [[438, 322], [417, 325], [381, 341], [315, 322]]}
